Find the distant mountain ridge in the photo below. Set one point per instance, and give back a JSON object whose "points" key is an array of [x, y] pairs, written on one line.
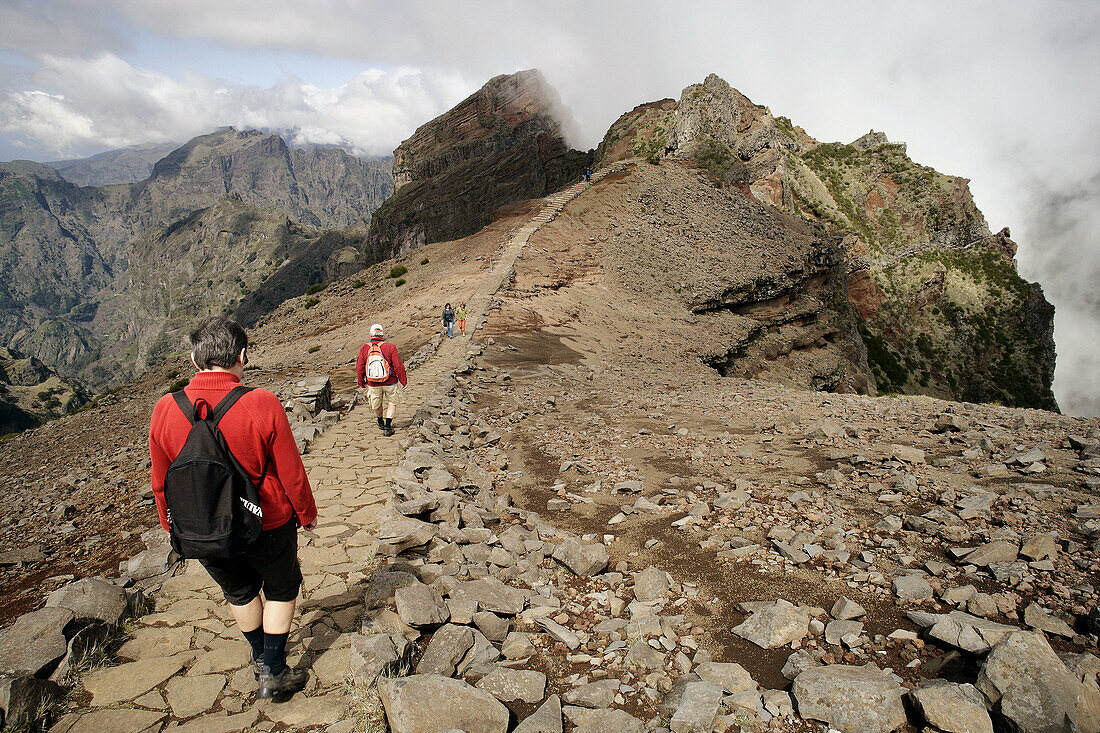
{"points": [[125, 165], [69, 254]]}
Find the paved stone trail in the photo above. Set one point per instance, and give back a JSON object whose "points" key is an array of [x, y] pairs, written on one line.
{"points": [[191, 671]]}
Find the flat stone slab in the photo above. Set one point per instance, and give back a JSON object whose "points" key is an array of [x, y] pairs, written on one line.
{"points": [[774, 626], [850, 698], [115, 721], [190, 696], [301, 711], [732, 677], [511, 685], [491, 595], [602, 721], [220, 723], [127, 681], [697, 708], [448, 646], [431, 703]]}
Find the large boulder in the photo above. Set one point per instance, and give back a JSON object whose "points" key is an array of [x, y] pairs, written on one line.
{"points": [[491, 595], [775, 626], [421, 605], [23, 698], [951, 707], [35, 641], [581, 558], [428, 703], [1030, 690], [851, 699], [91, 598], [375, 655]]}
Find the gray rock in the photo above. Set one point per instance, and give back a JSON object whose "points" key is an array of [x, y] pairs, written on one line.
{"points": [[421, 605], [559, 632], [491, 595], [951, 707], [698, 708], [482, 654], [651, 585], [494, 627], [24, 697], [1037, 618], [34, 642], [547, 719], [1040, 547], [733, 677], [511, 685], [965, 631], [991, 552], [517, 645], [398, 533], [797, 662], [599, 694], [845, 609], [602, 721], [117, 721], [1030, 689], [912, 587], [448, 646], [430, 703], [643, 655], [837, 630], [857, 699], [91, 598], [377, 655], [774, 626], [1026, 458], [583, 559]]}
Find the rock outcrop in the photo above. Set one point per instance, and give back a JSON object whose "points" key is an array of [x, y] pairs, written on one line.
{"points": [[504, 143], [939, 305], [31, 392]]}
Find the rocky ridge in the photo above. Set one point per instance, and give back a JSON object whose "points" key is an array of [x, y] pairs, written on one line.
{"points": [[939, 305]]}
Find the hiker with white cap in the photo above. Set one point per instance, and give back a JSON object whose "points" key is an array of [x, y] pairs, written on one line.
{"points": [[379, 366]]}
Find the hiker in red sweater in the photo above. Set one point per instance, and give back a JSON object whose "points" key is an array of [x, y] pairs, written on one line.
{"points": [[379, 366], [258, 435]]}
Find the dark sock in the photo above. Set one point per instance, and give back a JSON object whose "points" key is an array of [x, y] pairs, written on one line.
{"points": [[381, 423], [256, 639], [389, 422], [275, 652]]}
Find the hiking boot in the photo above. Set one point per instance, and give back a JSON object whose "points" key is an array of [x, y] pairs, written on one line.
{"points": [[387, 431], [286, 683], [257, 668]]}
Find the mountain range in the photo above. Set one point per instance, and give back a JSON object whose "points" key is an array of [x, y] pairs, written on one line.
{"points": [[861, 270]]}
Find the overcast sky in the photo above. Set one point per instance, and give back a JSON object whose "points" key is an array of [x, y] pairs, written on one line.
{"points": [[1003, 93]]}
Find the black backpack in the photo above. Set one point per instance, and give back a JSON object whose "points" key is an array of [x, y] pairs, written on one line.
{"points": [[213, 506]]}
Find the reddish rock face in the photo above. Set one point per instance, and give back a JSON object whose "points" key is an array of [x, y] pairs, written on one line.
{"points": [[500, 145], [864, 294]]}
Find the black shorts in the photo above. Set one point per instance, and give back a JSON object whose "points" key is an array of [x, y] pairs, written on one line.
{"points": [[270, 563]]}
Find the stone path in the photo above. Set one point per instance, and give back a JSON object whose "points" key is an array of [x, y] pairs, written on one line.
{"points": [[190, 670]]}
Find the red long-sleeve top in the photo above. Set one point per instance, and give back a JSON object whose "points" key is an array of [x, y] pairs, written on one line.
{"points": [[397, 367], [254, 428]]}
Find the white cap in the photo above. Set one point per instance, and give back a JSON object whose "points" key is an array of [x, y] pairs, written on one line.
{"points": [[376, 329]]}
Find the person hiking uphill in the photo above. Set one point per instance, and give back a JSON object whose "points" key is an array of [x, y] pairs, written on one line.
{"points": [[379, 366], [191, 480], [449, 320], [460, 314]]}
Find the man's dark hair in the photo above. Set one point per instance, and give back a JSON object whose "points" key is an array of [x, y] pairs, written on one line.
{"points": [[217, 342]]}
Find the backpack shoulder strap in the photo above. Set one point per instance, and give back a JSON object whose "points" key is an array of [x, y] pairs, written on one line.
{"points": [[228, 401], [185, 406]]}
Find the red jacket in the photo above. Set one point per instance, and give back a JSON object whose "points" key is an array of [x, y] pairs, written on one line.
{"points": [[397, 369], [254, 428]]}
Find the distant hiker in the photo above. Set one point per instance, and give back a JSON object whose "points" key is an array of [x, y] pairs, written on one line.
{"points": [[587, 174], [209, 443], [449, 320], [460, 314], [380, 367]]}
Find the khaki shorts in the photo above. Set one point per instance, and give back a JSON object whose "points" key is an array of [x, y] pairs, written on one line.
{"points": [[386, 394]]}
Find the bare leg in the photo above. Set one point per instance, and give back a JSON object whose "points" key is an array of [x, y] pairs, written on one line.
{"points": [[278, 615], [251, 616], [391, 410]]}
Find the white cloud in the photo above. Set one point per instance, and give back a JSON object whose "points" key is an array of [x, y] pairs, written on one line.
{"points": [[105, 102]]}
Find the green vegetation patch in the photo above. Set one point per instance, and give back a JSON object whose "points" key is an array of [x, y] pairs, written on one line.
{"points": [[399, 282], [313, 349], [720, 161], [316, 288], [311, 302], [397, 271], [178, 385]]}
